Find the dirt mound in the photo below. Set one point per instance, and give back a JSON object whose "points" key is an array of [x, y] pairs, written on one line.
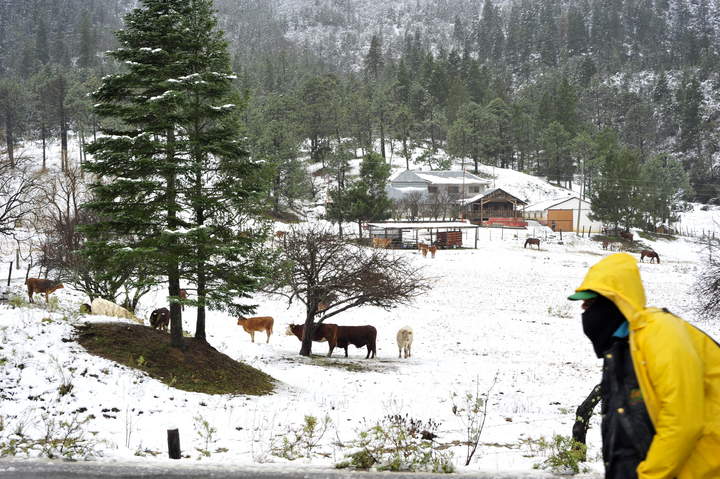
{"points": [[198, 367]]}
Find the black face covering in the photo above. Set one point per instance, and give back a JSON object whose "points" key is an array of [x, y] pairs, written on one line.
{"points": [[599, 322]]}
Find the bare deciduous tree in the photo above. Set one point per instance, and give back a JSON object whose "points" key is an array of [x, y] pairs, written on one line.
{"points": [[707, 285], [17, 187], [59, 218], [317, 267]]}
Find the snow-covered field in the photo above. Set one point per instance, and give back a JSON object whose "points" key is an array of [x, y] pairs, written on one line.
{"points": [[499, 311]]}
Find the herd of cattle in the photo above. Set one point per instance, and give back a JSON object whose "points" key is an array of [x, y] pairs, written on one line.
{"points": [[335, 335]]}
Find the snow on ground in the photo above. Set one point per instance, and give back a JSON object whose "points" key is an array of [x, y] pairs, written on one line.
{"points": [[496, 311], [499, 310]]}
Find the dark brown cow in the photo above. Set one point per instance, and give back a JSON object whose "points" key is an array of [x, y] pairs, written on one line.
{"points": [[37, 285], [323, 332], [160, 319], [358, 336]]}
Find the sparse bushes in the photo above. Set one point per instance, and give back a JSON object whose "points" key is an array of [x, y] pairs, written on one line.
{"points": [[206, 434], [471, 410], [66, 438], [399, 443], [303, 441], [563, 454]]}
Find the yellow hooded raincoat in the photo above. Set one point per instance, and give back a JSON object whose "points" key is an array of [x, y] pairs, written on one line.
{"points": [[678, 369]]}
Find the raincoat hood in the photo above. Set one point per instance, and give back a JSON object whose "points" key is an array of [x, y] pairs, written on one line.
{"points": [[617, 277]]}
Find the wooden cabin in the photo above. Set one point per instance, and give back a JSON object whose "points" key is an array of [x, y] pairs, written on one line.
{"points": [[495, 206]]}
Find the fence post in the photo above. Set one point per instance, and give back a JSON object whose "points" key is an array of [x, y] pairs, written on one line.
{"points": [[173, 437], [9, 273]]}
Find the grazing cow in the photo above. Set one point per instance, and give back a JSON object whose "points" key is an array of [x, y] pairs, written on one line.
{"points": [[160, 319], [258, 323], [183, 295], [104, 307], [404, 341], [532, 241], [432, 249], [323, 332], [358, 336], [37, 285], [383, 243]]}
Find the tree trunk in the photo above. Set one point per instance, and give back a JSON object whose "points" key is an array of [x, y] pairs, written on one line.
{"points": [[176, 331], [382, 133], [63, 138], [308, 331], [201, 291], [405, 153], [43, 133], [9, 138]]}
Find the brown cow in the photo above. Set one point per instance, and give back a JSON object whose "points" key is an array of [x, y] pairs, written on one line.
{"points": [[358, 336], [37, 285], [323, 332], [383, 243], [258, 323], [160, 319], [182, 295]]}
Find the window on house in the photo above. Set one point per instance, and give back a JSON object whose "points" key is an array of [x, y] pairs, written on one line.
{"points": [[453, 189], [432, 189], [474, 189]]}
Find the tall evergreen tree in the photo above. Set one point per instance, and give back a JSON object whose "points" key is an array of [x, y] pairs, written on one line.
{"points": [[175, 185]]}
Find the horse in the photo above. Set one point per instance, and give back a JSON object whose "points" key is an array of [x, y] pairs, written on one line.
{"points": [[650, 254], [532, 241], [432, 249], [605, 244], [626, 235], [423, 249]]}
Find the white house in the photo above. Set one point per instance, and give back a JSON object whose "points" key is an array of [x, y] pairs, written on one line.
{"points": [[456, 184], [562, 214]]}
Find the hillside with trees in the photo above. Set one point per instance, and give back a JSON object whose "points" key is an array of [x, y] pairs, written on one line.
{"points": [[546, 87]]}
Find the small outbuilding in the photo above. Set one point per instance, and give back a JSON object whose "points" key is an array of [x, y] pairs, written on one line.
{"points": [[563, 214], [407, 234]]}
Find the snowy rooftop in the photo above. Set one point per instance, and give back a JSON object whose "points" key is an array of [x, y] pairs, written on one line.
{"points": [[423, 225]]}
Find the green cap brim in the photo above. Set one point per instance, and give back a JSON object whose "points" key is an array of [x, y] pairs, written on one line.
{"points": [[583, 295]]}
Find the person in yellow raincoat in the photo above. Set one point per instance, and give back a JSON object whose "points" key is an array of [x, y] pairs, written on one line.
{"points": [[661, 380]]}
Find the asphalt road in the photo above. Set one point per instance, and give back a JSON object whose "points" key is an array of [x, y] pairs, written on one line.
{"points": [[41, 469]]}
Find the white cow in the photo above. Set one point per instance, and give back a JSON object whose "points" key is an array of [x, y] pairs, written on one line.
{"points": [[103, 307], [404, 341]]}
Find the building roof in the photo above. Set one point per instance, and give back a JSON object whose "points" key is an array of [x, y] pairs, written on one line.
{"points": [[489, 193], [420, 225], [438, 177], [550, 204]]}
